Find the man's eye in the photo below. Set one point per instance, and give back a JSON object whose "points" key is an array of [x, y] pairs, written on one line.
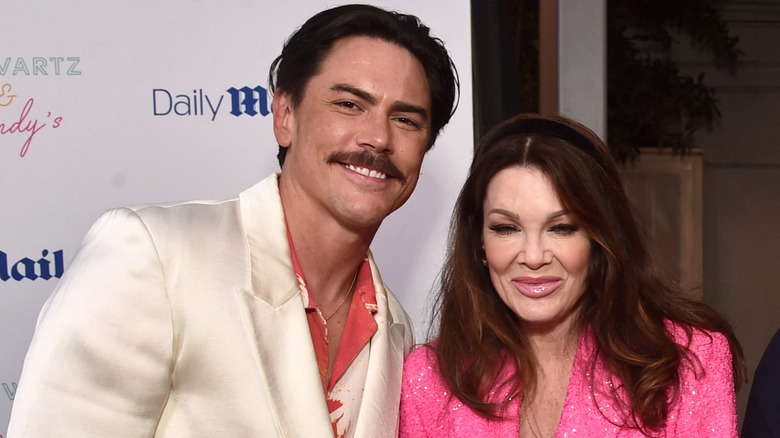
{"points": [[347, 104], [407, 121]]}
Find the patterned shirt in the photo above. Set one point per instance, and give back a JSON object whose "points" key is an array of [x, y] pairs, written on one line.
{"points": [[344, 389]]}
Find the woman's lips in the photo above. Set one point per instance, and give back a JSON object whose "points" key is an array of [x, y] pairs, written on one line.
{"points": [[537, 287]]}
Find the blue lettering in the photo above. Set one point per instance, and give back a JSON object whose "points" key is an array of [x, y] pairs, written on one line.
{"points": [[27, 268], [44, 265], [4, 267], [154, 101], [164, 102], [59, 264], [213, 108], [251, 96], [185, 101]]}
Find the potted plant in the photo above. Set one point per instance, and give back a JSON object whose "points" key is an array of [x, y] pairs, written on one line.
{"points": [[650, 102]]}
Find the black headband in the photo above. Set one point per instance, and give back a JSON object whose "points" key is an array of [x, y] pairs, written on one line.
{"points": [[543, 127]]}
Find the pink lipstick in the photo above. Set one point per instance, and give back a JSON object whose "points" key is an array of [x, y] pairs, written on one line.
{"points": [[537, 287]]}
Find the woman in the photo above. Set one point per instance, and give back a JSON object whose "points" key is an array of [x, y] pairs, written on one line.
{"points": [[552, 319]]}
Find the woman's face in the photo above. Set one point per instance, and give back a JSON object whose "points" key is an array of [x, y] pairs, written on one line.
{"points": [[537, 254]]}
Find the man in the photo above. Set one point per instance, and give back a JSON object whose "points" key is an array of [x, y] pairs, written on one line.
{"points": [[263, 315]]}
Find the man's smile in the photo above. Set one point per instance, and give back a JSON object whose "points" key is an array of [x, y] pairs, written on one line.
{"points": [[368, 164]]}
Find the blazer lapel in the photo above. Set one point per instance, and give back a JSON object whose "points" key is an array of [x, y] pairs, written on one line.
{"points": [[276, 320], [382, 394], [288, 366]]}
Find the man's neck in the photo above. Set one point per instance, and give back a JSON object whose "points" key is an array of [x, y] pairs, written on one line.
{"points": [[329, 252]]}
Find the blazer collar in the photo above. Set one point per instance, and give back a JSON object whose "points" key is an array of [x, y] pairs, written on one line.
{"points": [[272, 278], [277, 323], [275, 318]]}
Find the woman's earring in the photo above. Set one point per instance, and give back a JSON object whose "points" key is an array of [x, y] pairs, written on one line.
{"points": [[484, 262]]}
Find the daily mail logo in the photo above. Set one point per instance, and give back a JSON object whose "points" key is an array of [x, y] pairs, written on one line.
{"points": [[50, 265], [245, 100]]}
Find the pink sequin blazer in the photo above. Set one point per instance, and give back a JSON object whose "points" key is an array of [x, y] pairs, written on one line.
{"points": [[706, 406]]}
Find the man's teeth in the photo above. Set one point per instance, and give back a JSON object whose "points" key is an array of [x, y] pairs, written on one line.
{"points": [[367, 172]]}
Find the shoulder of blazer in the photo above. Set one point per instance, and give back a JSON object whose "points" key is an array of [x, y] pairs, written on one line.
{"points": [[194, 222]]}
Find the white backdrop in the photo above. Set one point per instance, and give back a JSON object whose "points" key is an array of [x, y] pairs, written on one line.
{"points": [[82, 129]]}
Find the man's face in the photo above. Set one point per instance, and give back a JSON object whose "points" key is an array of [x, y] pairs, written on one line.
{"points": [[358, 136]]}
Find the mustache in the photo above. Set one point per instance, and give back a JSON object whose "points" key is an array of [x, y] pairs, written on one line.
{"points": [[378, 162]]}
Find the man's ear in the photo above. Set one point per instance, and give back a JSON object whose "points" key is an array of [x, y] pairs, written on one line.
{"points": [[283, 118]]}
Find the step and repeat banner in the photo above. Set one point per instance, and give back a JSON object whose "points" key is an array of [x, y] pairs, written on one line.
{"points": [[105, 104]]}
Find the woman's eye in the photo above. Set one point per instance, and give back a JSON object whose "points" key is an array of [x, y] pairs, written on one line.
{"points": [[503, 229], [564, 229]]}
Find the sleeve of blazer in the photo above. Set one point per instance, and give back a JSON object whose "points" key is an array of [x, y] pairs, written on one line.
{"points": [[100, 361], [707, 403]]}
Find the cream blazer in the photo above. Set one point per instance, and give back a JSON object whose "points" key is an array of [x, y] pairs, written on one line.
{"points": [[186, 321]]}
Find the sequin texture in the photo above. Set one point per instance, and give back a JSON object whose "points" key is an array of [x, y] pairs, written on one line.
{"points": [[706, 406]]}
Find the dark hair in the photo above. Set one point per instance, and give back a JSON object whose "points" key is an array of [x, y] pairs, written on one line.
{"points": [[306, 49], [627, 304]]}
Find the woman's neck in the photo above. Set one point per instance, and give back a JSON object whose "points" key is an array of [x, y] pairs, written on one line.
{"points": [[555, 347]]}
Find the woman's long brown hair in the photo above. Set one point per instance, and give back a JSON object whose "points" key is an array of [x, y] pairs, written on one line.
{"points": [[627, 303]]}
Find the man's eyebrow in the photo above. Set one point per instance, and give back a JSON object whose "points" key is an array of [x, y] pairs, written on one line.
{"points": [[365, 95], [410, 108], [370, 98]]}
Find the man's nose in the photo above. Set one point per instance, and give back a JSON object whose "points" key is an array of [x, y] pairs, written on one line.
{"points": [[375, 133]]}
